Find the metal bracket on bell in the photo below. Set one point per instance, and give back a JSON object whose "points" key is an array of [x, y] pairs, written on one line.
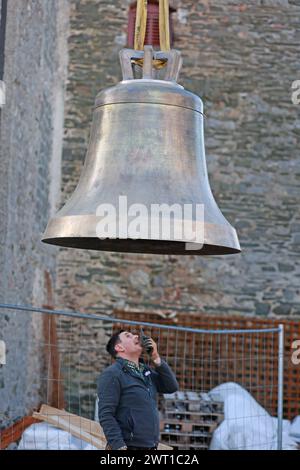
{"points": [[148, 57]]}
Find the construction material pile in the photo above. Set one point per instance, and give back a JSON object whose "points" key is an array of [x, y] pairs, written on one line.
{"points": [[188, 419]]}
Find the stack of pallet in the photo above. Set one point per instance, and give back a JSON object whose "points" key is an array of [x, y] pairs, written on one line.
{"points": [[188, 420]]}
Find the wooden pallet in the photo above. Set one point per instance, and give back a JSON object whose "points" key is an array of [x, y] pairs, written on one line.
{"points": [[188, 419], [190, 447], [191, 401], [193, 416], [187, 427], [202, 439]]}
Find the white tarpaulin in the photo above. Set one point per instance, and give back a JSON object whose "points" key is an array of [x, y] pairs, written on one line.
{"points": [[246, 425], [295, 429], [44, 436]]}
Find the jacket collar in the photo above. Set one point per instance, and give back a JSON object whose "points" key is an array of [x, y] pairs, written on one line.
{"points": [[123, 362], [123, 365]]}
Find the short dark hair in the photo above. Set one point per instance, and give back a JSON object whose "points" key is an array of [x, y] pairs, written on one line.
{"points": [[115, 339]]}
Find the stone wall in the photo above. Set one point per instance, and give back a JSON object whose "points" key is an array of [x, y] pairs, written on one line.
{"points": [[241, 58], [31, 140]]}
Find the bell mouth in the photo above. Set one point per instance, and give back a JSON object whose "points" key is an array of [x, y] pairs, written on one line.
{"points": [[79, 232], [159, 247]]}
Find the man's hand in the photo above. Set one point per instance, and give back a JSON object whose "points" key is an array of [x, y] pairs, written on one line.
{"points": [[150, 343]]}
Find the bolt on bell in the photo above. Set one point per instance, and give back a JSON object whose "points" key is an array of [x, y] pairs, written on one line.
{"points": [[144, 186]]}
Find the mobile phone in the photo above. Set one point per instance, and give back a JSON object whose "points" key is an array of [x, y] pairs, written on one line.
{"points": [[144, 339]]}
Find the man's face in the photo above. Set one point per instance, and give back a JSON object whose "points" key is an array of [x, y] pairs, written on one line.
{"points": [[129, 343]]}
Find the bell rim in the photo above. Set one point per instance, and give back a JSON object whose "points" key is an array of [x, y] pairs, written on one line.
{"points": [[75, 232], [118, 246]]}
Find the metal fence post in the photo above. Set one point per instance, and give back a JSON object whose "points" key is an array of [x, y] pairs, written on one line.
{"points": [[280, 386]]}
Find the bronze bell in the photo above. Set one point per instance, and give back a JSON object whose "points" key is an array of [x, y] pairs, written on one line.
{"points": [[146, 149]]}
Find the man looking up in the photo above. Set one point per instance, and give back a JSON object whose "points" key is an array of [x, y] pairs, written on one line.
{"points": [[127, 392]]}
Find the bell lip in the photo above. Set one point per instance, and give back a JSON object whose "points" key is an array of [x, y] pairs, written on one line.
{"points": [[76, 232], [140, 246]]}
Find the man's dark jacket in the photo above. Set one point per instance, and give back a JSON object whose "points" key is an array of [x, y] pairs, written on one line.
{"points": [[128, 410]]}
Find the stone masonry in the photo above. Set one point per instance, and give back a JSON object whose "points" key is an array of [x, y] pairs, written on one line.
{"points": [[35, 69]]}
